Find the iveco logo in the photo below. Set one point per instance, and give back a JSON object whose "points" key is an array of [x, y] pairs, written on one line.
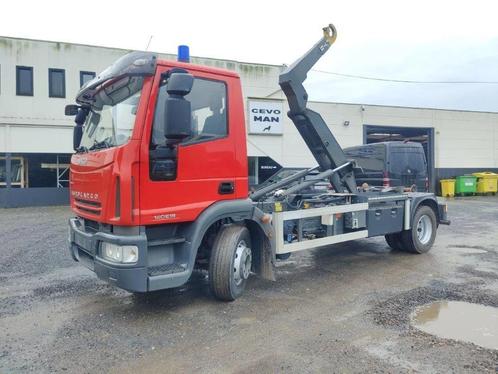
{"points": [[85, 195], [81, 161]]}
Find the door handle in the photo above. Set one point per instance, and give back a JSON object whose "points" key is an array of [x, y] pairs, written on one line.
{"points": [[226, 188]]}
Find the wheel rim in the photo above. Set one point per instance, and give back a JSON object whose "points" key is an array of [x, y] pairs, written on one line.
{"points": [[424, 229], [242, 263]]}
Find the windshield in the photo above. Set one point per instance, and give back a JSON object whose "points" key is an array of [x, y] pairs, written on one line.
{"points": [[112, 117]]}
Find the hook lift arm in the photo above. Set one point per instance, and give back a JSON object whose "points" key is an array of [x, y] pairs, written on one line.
{"points": [[313, 129]]}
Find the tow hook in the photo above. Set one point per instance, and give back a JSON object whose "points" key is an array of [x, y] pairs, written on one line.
{"points": [[330, 33]]}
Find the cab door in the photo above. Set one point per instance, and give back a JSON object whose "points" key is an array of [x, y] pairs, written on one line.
{"points": [[200, 170]]}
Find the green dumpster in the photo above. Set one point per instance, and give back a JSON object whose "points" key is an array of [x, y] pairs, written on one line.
{"points": [[466, 185]]}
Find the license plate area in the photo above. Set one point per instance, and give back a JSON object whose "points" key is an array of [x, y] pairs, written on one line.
{"points": [[84, 242], [86, 259]]}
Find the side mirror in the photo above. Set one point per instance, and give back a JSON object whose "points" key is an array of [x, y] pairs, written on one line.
{"points": [[180, 84], [78, 129], [177, 111], [71, 110], [77, 135], [81, 116]]}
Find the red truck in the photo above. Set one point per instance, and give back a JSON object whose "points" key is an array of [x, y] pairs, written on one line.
{"points": [[159, 181]]}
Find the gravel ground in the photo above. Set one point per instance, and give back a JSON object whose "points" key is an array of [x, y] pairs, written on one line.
{"points": [[340, 309]]}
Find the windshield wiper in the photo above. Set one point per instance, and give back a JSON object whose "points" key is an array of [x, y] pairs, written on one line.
{"points": [[101, 145]]}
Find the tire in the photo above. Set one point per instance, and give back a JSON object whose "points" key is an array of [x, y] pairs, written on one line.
{"points": [[394, 241], [230, 262], [283, 256], [420, 238]]}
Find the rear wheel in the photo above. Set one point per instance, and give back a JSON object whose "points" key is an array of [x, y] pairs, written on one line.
{"points": [[394, 241], [283, 256], [230, 262], [420, 238]]}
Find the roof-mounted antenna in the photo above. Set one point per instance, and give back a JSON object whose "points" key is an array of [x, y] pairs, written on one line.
{"points": [[148, 43]]}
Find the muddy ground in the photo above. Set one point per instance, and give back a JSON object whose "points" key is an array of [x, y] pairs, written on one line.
{"points": [[339, 309]]}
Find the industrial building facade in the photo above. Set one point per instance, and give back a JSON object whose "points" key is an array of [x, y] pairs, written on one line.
{"points": [[38, 78]]}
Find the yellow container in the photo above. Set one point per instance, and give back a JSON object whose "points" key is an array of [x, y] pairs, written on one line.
{"points": [[447, 187], [487, 182]]}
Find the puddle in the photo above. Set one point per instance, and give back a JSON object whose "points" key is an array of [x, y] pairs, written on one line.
{"points": [[459, 320]]}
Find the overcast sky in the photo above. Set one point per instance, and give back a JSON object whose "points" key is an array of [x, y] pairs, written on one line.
{"points": [[406, 40]]}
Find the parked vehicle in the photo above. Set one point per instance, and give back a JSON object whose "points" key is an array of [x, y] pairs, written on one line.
{"points": [[390, 164], [159, 181]]}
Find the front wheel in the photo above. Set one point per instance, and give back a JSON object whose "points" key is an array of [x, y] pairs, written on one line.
{"points": [[420, 238], [230, 262]]}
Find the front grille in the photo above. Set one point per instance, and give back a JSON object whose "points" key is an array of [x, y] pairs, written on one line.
{"points": [[89, 211], [88, 202], [92, 225], [88, 206]]}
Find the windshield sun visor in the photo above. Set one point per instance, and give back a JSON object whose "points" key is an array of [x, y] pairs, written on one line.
{"points": [[134, 64]]}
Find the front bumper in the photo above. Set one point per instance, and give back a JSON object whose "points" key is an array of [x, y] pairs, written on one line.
{"points": [[157, 270], [84, 247]]}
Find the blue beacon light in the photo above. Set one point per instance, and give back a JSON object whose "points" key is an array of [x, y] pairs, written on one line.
{"points": [[183, 53]]}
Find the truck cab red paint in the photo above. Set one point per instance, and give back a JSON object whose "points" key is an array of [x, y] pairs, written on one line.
{"points": [[113, 185]]}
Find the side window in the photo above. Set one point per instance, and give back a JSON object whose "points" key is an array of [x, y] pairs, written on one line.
{"points": [[208, 100], [369, 158]]}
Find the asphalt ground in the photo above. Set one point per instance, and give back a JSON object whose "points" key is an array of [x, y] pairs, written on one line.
{"points": [[343, 308]]}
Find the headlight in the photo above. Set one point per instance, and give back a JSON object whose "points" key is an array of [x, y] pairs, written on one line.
{"points": [[126, 254]]}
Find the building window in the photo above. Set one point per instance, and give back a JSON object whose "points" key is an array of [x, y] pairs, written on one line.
{"points": [[24, 81], [86, 76], [18, 176], [56, 83]]}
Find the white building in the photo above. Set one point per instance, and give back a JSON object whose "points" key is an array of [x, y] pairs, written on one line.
{"points": [[38, 78]]}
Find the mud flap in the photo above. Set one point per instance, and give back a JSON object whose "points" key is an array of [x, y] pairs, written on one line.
{"points": [[266, 256], [265, 265]]}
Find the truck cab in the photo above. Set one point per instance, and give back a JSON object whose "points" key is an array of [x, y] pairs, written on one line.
{"points": [[125, 174], [130, 185]]}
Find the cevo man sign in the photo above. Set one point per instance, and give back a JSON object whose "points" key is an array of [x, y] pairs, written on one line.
{"points": [[266, 117]]}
